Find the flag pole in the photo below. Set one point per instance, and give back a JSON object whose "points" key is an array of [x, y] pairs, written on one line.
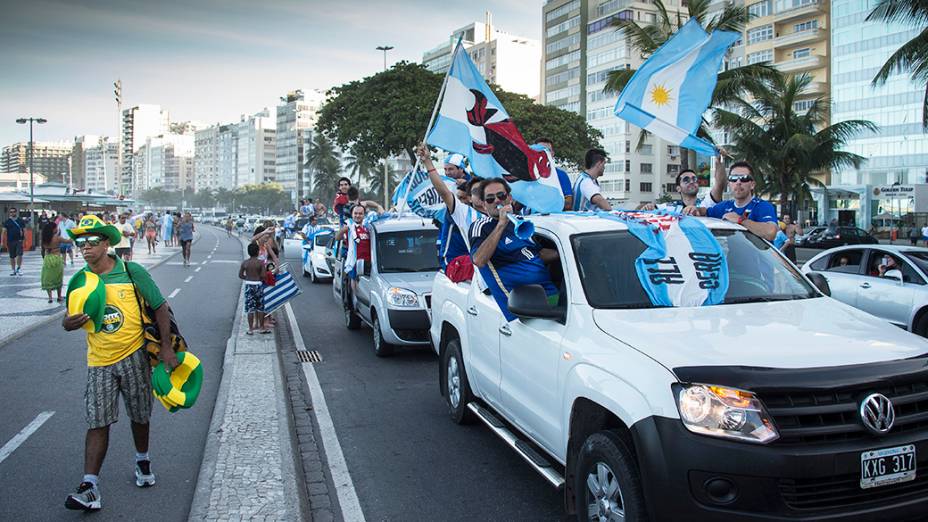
{"points": [[441, 94]]}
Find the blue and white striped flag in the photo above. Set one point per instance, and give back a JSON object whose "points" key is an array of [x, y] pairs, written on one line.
{"points": [[422, 198], [669, 93], [284, 290]]}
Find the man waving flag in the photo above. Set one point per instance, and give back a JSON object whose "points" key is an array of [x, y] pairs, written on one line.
{"points": [[669, 93], [472, 121]]}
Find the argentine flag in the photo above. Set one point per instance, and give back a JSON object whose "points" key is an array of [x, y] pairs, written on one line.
{"points": [[669, 93]]}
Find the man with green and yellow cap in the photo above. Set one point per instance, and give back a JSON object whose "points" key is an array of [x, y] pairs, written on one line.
{"points": [[117, 363]]}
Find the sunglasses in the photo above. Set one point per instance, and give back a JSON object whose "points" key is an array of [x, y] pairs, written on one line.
{"points": [[688, 179], [92, 241], [743, 178], [491, 198]]}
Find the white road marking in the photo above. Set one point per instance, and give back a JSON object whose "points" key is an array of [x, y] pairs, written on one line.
{"points": [[24, 434], [198, 269], [175, 292], [225, 261], [344, 487], [188, 279], [209, 256]]}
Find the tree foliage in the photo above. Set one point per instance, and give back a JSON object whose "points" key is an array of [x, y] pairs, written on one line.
{"points": [[786, 147], [912, 57], [387, 114], [263, 198], [325, 163]]}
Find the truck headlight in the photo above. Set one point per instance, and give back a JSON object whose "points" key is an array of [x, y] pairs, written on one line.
{"points": [[728, 413], [401, 297]]}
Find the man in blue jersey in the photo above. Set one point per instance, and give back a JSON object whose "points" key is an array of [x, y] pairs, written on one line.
{"points": [[586, 191], [506, 261], [459, 214], [562, 177], [745, 208]]}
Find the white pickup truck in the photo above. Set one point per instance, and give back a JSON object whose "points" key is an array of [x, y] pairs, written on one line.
{"points": [[778, 404]]}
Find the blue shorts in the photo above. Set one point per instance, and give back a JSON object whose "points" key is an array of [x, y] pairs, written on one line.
{"points": [[64, 248]]}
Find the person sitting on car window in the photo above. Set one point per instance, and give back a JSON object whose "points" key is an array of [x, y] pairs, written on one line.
{"points": [[746, 209], [883, 265], [359, 240], [505, 260]]}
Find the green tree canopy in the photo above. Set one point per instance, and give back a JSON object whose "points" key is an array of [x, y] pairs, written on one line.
{"points": [[266, 197], [324, 161], [784, 146], [912, 57], [387, 114]]}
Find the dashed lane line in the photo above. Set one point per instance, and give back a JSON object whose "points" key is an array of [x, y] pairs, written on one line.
{"points": [[24, 434], [198, 269], [188, 279], [174, 293]]}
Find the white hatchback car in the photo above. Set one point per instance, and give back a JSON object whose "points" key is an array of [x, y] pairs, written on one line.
{"points": [[899, 295], [311, 255]]}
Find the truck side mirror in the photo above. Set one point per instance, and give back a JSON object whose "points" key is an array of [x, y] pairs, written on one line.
{"points": [[531, 302], [819, 281]]}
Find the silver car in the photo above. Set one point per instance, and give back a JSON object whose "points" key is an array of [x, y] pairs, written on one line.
{"points": [[888, 281], [394, 292]]}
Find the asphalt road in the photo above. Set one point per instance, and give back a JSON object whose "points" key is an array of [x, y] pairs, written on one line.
{"points": [[408, 461], [46, 371]]}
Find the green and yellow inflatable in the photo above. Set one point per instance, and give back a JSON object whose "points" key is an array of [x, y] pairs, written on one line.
{"points": [[87, 295], [180, 388]]}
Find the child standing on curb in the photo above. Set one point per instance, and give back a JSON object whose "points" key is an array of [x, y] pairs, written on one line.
{"points": [[253, 271]]}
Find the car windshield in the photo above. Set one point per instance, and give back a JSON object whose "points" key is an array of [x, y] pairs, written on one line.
{"points": [[407, 251], [756, 273], [322, 239], [920, 259]]}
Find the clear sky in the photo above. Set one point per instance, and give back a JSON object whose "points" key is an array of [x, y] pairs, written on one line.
{"points": [[208, 60]]}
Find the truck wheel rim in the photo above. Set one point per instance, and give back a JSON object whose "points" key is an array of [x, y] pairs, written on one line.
{"points": [[603, 495], [454, 382]]}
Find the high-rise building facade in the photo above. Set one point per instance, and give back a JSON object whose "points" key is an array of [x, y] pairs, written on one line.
{"points": [[99, 161], [296, 114], [166, 162], [257, 145], [582, 47], [51, 159], [138, 124], [510, 61], [216, 157]]}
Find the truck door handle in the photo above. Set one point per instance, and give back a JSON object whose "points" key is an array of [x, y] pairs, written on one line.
{"points": [[505, 330], [865, 285], [472, 310]]}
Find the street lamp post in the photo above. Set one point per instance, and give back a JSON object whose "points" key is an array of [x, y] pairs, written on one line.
{"points": [[386, 177], [32, 219]]}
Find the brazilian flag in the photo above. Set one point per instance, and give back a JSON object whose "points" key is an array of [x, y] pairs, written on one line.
{"points": [[180, 388], [87, 295]]}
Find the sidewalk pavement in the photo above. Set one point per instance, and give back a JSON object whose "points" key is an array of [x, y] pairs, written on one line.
{"points": [[249, 469], [24, 305]]}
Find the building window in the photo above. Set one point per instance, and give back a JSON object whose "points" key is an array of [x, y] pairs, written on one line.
{"points": [[563, 26], [628, 146], [673, 169], [670, 188], [562, 60], [645, 168], [646, 149], [628, 185], [563, 10], [554, 47], [760, 34], [805, 26], [759, 9], [628, 165], [803, 105], [645, 187], [605, 23], [802, 53], [760, 56]]}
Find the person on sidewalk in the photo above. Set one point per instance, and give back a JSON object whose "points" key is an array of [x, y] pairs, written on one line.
{"points": [[13, 236], [52, 276], [124, 247], [117, 363], [167, 229], [66, 247], [185, 233], [253, 272], [151, 234]]}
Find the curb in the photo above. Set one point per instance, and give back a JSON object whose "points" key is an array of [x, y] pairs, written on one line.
{"points": [[60, 313]]}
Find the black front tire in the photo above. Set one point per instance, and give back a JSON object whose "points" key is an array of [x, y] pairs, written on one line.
{"points": [[454, 384], [921, 326], [381, 347], [607, 480]]}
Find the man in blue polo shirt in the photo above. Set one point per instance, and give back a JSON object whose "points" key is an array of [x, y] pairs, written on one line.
{"points": [[745, 208], [505, 260]]}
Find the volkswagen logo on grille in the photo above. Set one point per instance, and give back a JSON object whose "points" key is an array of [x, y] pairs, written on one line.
{"points": [[877, 413]]}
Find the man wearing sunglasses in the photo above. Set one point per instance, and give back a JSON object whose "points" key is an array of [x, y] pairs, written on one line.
{"points": [[745, 208], [505, 260], [117, 362]]}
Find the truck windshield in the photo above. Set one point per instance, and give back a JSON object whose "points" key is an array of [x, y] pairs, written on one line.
{"points": [[756, 273], [407, 251]]}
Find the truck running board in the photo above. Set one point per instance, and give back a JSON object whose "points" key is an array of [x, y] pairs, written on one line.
{"points": [[523, 448]]}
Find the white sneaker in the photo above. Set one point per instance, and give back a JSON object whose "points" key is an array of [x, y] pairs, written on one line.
{"points": [[144, 476], [87, 497]]}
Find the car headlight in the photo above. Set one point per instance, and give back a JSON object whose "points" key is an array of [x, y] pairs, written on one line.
{"points": [[402, 297], [727, 413]]}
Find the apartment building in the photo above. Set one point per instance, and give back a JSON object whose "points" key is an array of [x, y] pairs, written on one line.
{"points": [[296, 116], [166, 162], [51, 159], [257, 145], [99, 163], [138, 124]]}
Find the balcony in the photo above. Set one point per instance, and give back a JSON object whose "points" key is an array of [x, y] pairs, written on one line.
{"points": [[791, 9], [805, 63], [816, 88], [799, 38]]}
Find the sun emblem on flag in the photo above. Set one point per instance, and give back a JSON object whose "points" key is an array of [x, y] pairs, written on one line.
{"points": [[660, 95]]}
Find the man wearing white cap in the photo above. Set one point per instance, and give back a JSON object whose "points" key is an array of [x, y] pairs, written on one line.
{"points": [[454, 168]]}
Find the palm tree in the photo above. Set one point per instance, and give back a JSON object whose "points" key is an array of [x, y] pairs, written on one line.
{"points": [[358, 167], [325, 163], [374, 179], [646, 39], [784, 146], [913, 55]]}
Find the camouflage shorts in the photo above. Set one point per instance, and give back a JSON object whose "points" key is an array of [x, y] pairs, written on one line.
{"points": [[130, 377]]}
